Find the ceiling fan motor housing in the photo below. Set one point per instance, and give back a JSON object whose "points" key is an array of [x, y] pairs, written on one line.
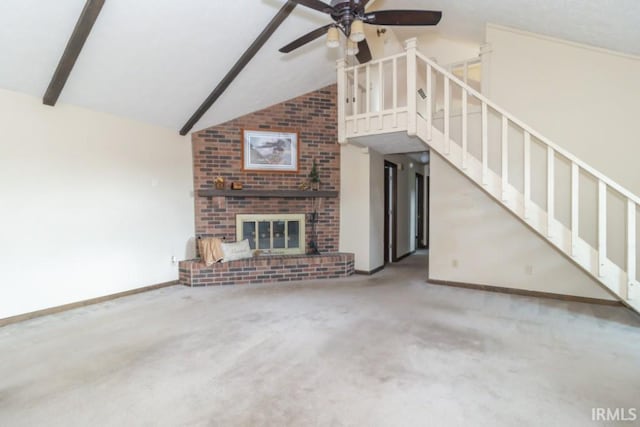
{"points": [[344, 15]]}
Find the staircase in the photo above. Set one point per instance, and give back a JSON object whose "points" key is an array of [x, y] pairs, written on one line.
{"points": [[410, 95]]}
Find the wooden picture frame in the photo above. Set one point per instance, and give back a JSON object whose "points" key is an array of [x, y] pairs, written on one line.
{"points": [[270, 151]]}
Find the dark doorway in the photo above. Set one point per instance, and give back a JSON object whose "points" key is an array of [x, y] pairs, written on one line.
{"points": [[390, 209], [426, 212], [420, 241]]}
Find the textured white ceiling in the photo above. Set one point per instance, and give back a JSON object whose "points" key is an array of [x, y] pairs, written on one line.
{"points": [[156, 60], [610, 24]]}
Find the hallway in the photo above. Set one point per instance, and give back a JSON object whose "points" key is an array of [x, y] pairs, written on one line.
{"points": [[387, 349]]}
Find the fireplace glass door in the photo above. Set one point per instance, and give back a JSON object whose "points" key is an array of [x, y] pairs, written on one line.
{"points": [[272, 233]]}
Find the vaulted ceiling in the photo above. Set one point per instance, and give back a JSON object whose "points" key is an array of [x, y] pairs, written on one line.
{"points": [[157, 60]]}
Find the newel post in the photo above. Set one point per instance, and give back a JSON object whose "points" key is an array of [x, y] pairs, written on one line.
{"points": [[412, 121], [341, 97]]}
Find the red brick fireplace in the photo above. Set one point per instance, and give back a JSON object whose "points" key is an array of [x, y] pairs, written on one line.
{"points": [[217, 152]]}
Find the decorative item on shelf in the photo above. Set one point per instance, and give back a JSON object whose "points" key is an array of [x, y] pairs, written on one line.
{"points": [[304, 186], [314, 177], [236, 186], [219, 183]]}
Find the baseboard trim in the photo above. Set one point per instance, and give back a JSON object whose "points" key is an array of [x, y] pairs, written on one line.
{"points": [[524, 292], [52, 310], [370, 272]]}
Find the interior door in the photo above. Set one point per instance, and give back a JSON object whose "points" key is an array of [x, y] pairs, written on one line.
{"points": [[420, 226], [428, 209], [390, 209]]}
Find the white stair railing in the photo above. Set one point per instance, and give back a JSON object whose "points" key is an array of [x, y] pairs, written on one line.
{"points": [[372, 99], [461, 69], [425, 78]]}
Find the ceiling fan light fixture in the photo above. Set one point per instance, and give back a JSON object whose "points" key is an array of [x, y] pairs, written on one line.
{"points": [[357, 31], [349, 16], [352, 48], [333, 37]]}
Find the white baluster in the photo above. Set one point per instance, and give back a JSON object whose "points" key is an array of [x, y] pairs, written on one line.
{"points": [[395, 92], [368, 96], [485, 145], [465, 130], [527, 173], [381, 95], [631, 249], [575, 208], [434, 90], [412, 100], [602, 227], [430, 98], [550, 190], [342, 84], [447, 96], [505, 157], [355, 99]]}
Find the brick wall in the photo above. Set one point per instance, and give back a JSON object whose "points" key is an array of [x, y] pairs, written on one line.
{"points": [[217, 152], [267, 269]]}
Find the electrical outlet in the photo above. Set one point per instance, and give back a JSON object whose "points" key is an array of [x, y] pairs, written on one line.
{"points": [[174, 259]]}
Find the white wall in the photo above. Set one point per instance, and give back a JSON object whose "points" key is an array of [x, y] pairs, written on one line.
{"points": [[446, 51], [355, 205], [376, 209], [584, 99], [91, 204], [474, 240]]}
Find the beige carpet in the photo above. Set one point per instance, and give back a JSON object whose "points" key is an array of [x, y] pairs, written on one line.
{"points": [[387, 350]]}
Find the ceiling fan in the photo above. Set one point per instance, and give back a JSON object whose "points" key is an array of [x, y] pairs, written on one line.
{"points": [[350, 17]]}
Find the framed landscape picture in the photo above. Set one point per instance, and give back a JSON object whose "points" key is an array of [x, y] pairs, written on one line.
{"points": [[270, 151]]}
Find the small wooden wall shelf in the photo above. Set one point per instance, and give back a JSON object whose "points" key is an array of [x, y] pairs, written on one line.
{"points": [[267, 193]]}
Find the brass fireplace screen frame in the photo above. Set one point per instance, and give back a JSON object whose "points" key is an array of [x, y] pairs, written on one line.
{"points": [[276, 234]]}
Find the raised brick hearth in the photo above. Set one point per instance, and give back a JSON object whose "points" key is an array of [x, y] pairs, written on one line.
{"points": [[265, 269]]}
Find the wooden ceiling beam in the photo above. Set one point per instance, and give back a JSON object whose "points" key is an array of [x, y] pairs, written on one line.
{"points": [[282, 14], [74, 46]]}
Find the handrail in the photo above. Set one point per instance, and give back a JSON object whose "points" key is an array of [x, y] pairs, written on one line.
{"points": [[614, 185]]}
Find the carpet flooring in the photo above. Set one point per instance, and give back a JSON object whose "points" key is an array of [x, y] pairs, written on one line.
{"points": [[382, 350]]}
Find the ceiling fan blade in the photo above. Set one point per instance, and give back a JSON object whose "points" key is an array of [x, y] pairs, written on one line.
{"points": [[305, 39], [317, 5], [403, 17], [364, 54]]}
